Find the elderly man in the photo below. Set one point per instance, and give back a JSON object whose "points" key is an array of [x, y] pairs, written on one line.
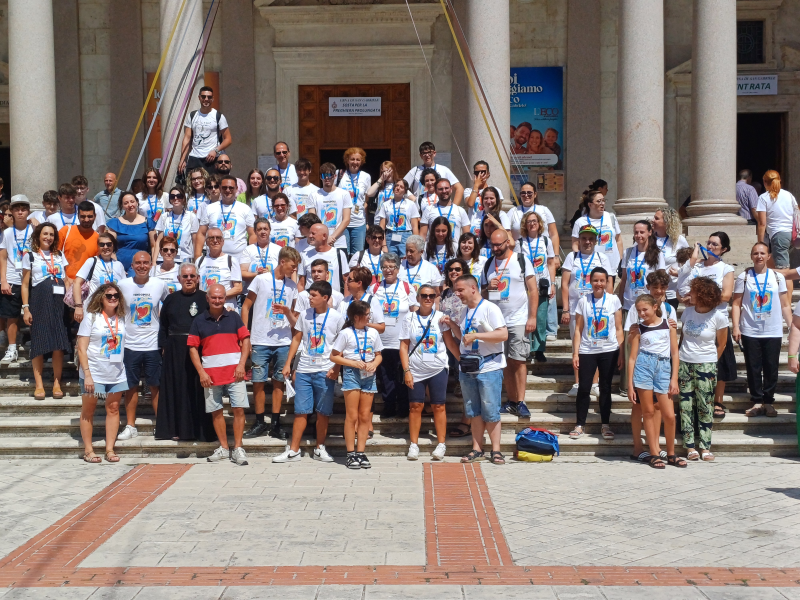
{"points": [[182, 414], [107, 201], [219, 345], [221, 268]]}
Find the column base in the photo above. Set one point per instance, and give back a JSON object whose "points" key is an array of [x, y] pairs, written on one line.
{"points": [[713, 212], [630, 210]]}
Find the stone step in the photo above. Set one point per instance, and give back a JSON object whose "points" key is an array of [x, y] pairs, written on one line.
{"points": [[562, 383]]}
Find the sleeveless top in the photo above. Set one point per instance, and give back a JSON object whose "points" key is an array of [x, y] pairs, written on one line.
{"points": [[655, 339]]}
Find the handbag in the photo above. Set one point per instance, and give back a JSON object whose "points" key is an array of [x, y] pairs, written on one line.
{"points": [[69, 296], [471, 364]]}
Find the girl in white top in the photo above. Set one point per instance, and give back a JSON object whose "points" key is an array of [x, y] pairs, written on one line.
{"points": [[609, 239], [398, 215], [667, 229], [153, 201], [527, 195], [640, 259], [469, 251], [261, 257], [168, 270], [181, 225], [758, 324], [356, 183], [440, 246], [490, 202], [775, 217], [427, 194], [653, 371], [284, 229], [104, 269], [423, 354], [101, 341], [197, 200]]}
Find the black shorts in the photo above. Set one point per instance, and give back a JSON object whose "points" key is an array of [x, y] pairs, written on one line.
{"points": [[11, 304]]}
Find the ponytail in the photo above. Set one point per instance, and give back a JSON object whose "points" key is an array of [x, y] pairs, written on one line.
{"points": [[772, 182], [652, 302], [357, 308]]}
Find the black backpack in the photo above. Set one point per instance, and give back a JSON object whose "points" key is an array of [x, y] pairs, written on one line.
{"points": [[520, 258], [219, 116]]}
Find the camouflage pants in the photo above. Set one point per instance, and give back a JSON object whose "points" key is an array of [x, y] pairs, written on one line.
{"points": [[697, 382]]}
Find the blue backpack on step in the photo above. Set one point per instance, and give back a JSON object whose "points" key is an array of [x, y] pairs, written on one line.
{"points": [[537, 441]]}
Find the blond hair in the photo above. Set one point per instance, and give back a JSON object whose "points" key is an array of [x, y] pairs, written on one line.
{"points": [[96, 301], [523, 226]]}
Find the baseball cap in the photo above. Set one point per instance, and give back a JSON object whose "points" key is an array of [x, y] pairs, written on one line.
{"points": [[588, 229]]}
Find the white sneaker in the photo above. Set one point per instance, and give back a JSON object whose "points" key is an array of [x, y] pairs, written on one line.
{"points": [[322, 455], [128, 433], [413, 452], [10, 356], [551, 338], [573, 392], [595, 391], [288, 456], [219, 454], [239, 457], [438, 453]]}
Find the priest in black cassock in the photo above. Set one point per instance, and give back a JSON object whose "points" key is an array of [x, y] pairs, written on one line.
{"points": [[181, 410]]}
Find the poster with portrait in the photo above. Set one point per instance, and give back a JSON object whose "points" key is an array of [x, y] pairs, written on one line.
{"points": [[537, 127]]}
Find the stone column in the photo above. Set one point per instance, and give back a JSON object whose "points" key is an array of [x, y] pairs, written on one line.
{"points": [[640, 110], [714, 115], [174, 94], [32, 97], [487, 31]]}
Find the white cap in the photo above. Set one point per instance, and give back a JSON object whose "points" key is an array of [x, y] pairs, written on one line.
{"points": [[20, 199]]}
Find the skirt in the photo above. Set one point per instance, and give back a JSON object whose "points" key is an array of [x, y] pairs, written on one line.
{"points": [[726, 365], [48, 332]]}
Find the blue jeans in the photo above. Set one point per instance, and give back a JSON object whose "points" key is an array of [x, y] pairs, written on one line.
{"points": [[355, 237], [481, 393], [398, 248], [265, 356], [552, 318], [314, 392], [352, 380]]}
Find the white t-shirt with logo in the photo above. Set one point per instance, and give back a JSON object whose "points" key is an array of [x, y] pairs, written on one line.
{"points": [[216, 270], [455, 214], [599, 332], [302, 198], [538, 250], [104, 272], [608, 228], [512, 291], [700, 335], [262, 207], [198, 205], [51, 266], [170, 278], [398, 215], [204, 131], [478, 206], [413, 176], [476, 267], [396, 303], [424, 199], [375, 307], [319, 333], [106, 348], [716, 272], [16, 243], [303, 304], [270, 328], [283, 233], [762, 315], [356, 186], [233, 220], [516, 213], [153, 206], [485, 318], [288, 176], [780, 212], [430, 356], [370, 261], [669, 250], [181, 229], [423, 272], [351, 345], [331, 206], [476, 220], [580, 268], [637, 271], [144, 310], [335, 259], [255, 257]]}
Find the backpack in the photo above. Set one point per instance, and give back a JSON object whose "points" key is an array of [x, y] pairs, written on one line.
{"points": [[219, 116], [378, 285], [202, 258], [520, 259], [537, 441]]}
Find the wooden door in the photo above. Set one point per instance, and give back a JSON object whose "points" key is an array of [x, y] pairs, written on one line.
{"points": [[391, 130]]}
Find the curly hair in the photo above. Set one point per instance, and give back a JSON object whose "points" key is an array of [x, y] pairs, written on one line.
{"points": [[672, 222], [96, 301], [658, 278], [455, 261], [706, 290], [523, 226], [35, 247]]}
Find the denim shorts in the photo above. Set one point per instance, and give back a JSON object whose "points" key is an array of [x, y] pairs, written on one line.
{"points": [[398, 248], [481, 394], [263, 357], [101, 389], [779, 248], [236, 391], [652, 372], [142, 365], [313, 393], [352, 380]]}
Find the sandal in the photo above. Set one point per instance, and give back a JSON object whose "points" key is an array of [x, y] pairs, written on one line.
{"points": [[576, 433], [473, 456], [642, 457], [607, 433], [770, 411], [459, 430], [39, 394], [676, 461], [91, 457], [498, 458], [656, 462], [707, 456], [57, 393], [693, 455], [756, 411], [112, 457], [719, 411]]}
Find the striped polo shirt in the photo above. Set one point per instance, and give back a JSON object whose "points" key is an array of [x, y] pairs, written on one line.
{"points": [[218, 341]]}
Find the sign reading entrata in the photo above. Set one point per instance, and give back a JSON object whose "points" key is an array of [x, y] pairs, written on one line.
{"points": [[354, 107], [756, 85]]}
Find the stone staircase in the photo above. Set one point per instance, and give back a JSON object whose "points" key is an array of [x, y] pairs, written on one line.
{"points": [[50, 428]]}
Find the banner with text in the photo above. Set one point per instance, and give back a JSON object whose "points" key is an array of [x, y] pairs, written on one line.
{"points": [[756, 85], [339, 106]]}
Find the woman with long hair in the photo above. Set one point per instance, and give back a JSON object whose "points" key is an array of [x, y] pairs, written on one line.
{"points": [[399, 217], [774, 221], [668, 233], [609, 240], [180, 224], [255, 187], [427, 195], [536, 143], [490, 203], [153, 201], [97, 270], [43, 305], [440, 247], [134, 231], [355, 182], [101, 341], [469, 250], [383, 188], [196, 195]]}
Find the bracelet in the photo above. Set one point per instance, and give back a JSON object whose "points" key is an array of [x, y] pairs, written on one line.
{"points": [[793, 356], [25, 305], [406, 371]]}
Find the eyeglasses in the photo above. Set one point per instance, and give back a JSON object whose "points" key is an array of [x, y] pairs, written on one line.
{"points": [[498, 245], [455, 270], [174, 196], [389, 267], [526, 194], [228, 187], [426, 153], [169, 250], [105, 245], [112, 296], [428, 296], [479, 173], [276, 206], [223, 162], [273, 178], [212, 186], [281, 152], [214, 238], [189, 276], [377, 238], [198, 178]]}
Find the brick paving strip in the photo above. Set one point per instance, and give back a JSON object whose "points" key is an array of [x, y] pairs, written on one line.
{"points": [[464, 543]]}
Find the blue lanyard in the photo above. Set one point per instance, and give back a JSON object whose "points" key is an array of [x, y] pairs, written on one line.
{"points": [[110, 273], [316, 335], [21, 249], [439, 208], [152, 212], [224, 218], [534, 255], [375, 270], [397, 213], [175, 231], [637, 264], [439, 263], [583, 267], [706, 252], [362, 353], [394, 293], [664, 243], [71, 222], [263, 259], [588, 220], [387, 189], [408, 274], [284, 177], [426, 326], [356, 191], [594, 310], [280, 299], [197, 203], [469, 319], [762, 293]]}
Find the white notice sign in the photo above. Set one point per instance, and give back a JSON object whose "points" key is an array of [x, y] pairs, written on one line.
{"points": [[354, 107], [756, 85]]}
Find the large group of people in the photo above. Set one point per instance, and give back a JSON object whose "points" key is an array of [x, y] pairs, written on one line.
{"points": [[413, 286]]}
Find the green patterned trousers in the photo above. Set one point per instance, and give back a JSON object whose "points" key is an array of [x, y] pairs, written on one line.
{"points": [[697, 382]]}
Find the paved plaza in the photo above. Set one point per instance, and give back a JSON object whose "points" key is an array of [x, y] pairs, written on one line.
{"points": [[575, 529]]}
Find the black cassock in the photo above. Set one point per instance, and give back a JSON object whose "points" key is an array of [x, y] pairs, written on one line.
{"points": [[181, 407]]}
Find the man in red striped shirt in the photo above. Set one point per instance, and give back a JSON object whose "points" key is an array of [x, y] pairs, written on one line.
{"points": [[222, 339]]}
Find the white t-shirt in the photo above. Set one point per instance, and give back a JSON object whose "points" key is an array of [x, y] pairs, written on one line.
{"points": [[667, 312], [142, 320], [216, 270], [439, 258], [319, 333], [668, 250], [412, 177], [153, 206], [761, 308], [780, 212], [336, 260], [430, 356], [182, 229], [370, 261], [356, 186], [516, 213], [656, 339], [486, 317], [105, 360], [271, 329], [717, 272], [351, 345], [283, 233], [302, 198], [384, 195], [233, 220], [455, 214], [538, 251], [700, 335], [255, 257], [288, 175], [104, 272], [424, 272], [375, 307], [476, 219], [204, 131], [608, 227], [580, 281], [39, 216], [42, 268], [637, 271], [16, 243], [597, 338], [424, 199], [170, 278], [398, 215], [476, 267], [59, 219], [198, 205], [478, 206], [396, 303], [331, 207], [302, 303], [301, 245], [262, 207], [512, 292]]}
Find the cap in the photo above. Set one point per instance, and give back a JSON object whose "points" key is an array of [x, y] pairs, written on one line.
{"points": [[588, 229], [20, 199]]}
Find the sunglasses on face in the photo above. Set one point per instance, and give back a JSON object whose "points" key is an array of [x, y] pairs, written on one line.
{"points": [[272, 178], [212, 186], [214, 238], [190, 276], [112, 296], [479, 173], [206, 97], [176, 196], [223, 162], [105, 245], [455, 270], [377, 238], [526, 193], [281, 152], [326, 176], [169, 250], [228, 187], [428, 296]]}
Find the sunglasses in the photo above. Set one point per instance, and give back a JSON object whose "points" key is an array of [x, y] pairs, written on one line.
{"points": [[273, 178], [105, 245], [526, 194], [426, 153], [112, 296], [455, 269], [228, 187], [428, 296], [191, 276], [176, 196], [212, 186], [169, 250], [326, 176], [223, 162], [206, 97], [377, 238], [214, 238], [281, 153], [479, 173]]}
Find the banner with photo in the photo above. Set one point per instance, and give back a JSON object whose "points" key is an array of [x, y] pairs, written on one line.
{"points": [[537, 127]]}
